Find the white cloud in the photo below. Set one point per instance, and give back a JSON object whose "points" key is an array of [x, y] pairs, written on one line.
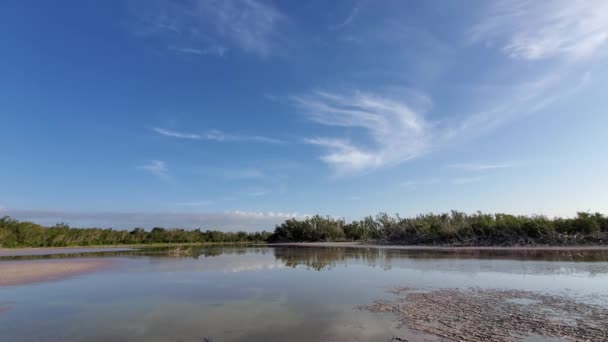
{"points": [[534, 30], [480, 166], [398, 133], [211, 27], [216, 135], [157, 168]]}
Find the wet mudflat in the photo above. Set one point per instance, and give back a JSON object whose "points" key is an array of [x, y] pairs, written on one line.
{"points": [[495, 315], [310, 294]]}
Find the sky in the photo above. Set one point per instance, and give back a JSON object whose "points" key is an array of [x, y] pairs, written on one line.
{"points": [[241, 114]]}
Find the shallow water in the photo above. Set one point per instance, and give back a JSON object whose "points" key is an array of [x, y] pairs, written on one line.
{"points": [[270, 293]]}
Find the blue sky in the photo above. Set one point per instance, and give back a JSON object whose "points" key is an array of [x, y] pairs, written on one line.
{"points": [[240, 114]]}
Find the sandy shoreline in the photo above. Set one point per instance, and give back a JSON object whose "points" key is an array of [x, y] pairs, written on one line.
{"points": [[26, 272], [442, 248]]}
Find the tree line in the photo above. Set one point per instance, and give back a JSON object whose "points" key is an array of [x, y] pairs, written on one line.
{"points": [[14, 233], [454, 228]]}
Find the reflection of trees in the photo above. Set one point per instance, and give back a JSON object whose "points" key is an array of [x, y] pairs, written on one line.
{"points": [[68, 255], [192, 252], [588, 255], [327, 257], [213, 251]]}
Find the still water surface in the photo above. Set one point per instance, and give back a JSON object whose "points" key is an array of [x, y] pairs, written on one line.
{"points": [[269, 293]]}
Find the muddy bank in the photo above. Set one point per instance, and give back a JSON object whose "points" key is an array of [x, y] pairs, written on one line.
{"points": [[25, 272], [494, 315]]}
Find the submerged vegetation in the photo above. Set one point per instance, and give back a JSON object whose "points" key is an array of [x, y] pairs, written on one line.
{"points": [[455, 228]]}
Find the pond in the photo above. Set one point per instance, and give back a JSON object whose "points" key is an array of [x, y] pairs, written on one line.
{"points": [[265, 293]]}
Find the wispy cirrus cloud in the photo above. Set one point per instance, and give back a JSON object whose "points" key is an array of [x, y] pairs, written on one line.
{"points": [[216, 135], [397, 131], [518, 99], [565, 35], [176, 134], [157, 168], [227, 137], [534, 30], [380, 130], [211, 27]]}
